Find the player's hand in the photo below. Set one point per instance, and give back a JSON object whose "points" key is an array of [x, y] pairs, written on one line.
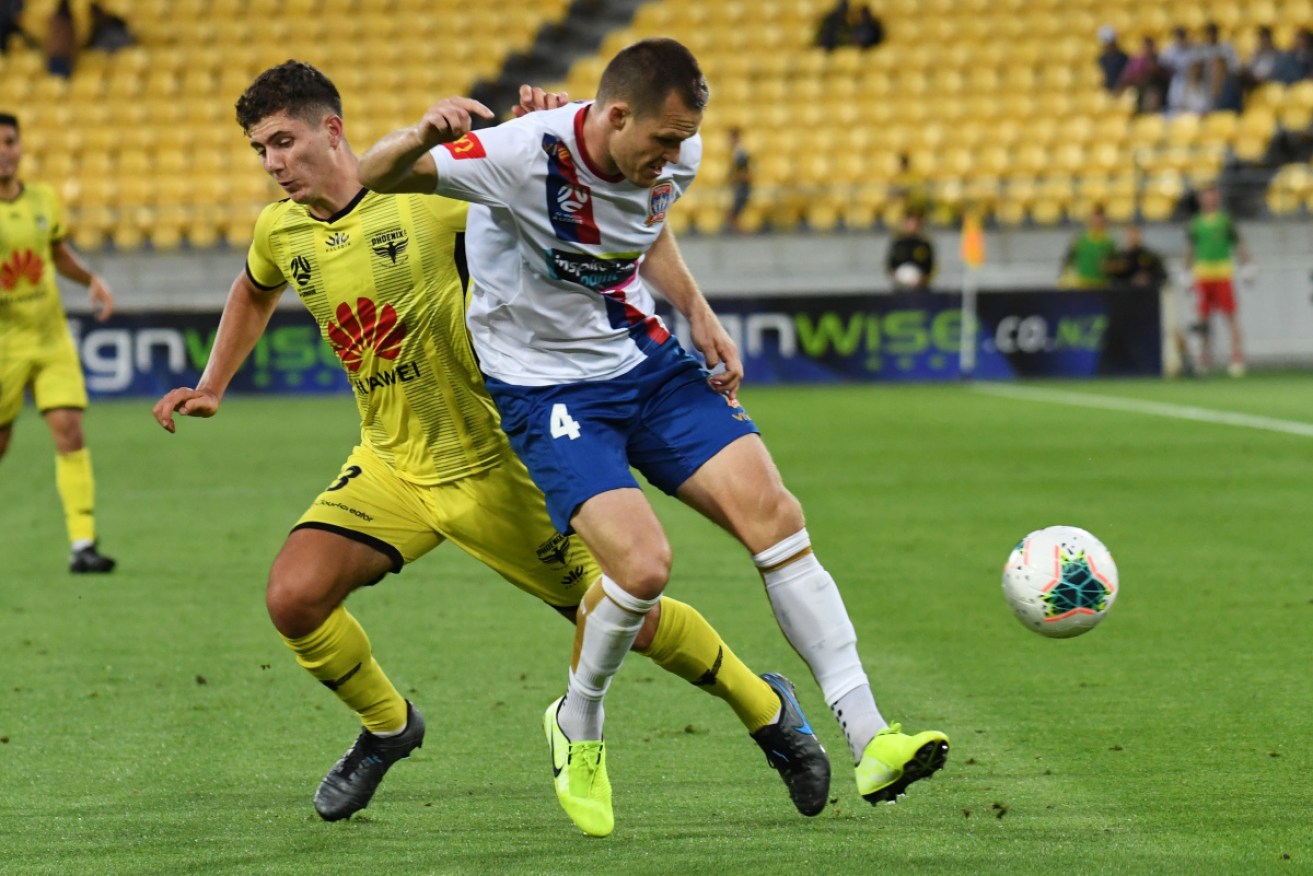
{"points": [[102, 300], [720, 351], [450, 119], [186, 401], [533, 99]]}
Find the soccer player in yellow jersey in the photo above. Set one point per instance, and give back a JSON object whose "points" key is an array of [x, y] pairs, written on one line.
{"points": [[379, 274], [36, 350]]}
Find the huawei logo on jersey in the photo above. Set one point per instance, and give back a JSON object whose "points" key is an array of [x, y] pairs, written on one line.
{"points": [[365, 328], [21, 265]]}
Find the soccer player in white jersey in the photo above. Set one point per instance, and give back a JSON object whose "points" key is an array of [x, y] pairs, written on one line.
{"points": [[380, 277], [567, 236]]}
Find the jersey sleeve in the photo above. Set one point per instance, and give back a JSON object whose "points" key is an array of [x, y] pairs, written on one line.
{"points": [[449, 212], [261, 266], [57, 230], [486, 167]]}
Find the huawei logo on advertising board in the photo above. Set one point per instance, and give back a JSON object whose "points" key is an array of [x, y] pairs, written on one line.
{"points": [[21, 265], [365, 328]]}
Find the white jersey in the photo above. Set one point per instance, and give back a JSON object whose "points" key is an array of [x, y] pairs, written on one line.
{"points": [[554, 249]]}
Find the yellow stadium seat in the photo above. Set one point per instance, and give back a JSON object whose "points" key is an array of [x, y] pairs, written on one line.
{"points": [[1296, 117], [1120, 208]]}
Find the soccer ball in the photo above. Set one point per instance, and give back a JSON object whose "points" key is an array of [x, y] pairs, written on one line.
{"points": [[907, 276], [1060, 581]]}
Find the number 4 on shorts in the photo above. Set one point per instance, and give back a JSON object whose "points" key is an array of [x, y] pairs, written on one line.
{"points": [[563, 424]]}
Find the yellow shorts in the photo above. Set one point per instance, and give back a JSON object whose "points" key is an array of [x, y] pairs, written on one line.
{"points": [[55, 376], [498, 517]]}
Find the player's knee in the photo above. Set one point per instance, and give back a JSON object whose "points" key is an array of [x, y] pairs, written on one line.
{"points": [[645, 572], [297, 605], [779, 517]]}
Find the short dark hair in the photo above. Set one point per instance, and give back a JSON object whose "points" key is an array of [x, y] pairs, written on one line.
{"points": [[293, 87], [9, 119], [645, 73]]}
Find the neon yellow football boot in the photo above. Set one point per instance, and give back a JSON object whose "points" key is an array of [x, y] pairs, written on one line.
{"points": [[893, 760], [579, 769]]}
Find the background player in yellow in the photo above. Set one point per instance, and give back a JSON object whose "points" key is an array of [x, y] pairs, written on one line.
{"points": [[36, 350], [380, 276]]}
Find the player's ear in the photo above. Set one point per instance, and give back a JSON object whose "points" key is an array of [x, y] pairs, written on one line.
{"points": [[333, 124], [617, 114]]}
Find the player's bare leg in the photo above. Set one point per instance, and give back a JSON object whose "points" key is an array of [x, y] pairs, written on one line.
{"points": [[1237, 366], [740, 489], [310, 579], [77, 489]]}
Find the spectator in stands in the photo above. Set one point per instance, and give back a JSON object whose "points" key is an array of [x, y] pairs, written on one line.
{"points": [[109, 32], [1148, 77], [1112, 60], [61, 42], [1296, 64], [11, 12], [910, 261], [833, 29], [867, 31], [1190, 92], [1225, 85], [740, 177], [1090, 255], [1261, 66], [1214, 46], [1178, 53], [1136, 265]]}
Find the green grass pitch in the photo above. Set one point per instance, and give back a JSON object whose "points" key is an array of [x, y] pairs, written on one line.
{"points": [[151, 722]]}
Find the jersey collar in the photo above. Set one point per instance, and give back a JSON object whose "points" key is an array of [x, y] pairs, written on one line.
{"points": [[351, 205], [583, 148]]}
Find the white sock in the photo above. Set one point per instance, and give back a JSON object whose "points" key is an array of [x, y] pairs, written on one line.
{"points": [[609, 621], [811, 613]]}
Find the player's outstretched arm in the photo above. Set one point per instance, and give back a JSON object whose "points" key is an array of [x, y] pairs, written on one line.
{"points": [[245, 316], [664, 268], [69, 264], [400, 162]]}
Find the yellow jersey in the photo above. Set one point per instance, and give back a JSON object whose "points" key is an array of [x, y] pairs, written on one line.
{"points": [[380, 278], [31, 315]]}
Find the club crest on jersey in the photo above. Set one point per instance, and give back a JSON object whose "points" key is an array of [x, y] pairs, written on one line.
{"points": [[469, 146], [659, 199], [367, 327], [389, 244]]}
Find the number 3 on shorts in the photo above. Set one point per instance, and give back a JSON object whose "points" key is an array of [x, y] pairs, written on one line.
{"points": [[563, 424]]}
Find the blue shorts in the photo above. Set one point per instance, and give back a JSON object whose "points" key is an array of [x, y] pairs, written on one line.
{"points": [[580, 439]]}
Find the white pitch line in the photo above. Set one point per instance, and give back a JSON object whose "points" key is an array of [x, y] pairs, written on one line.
{"points": [[1156, 409]]}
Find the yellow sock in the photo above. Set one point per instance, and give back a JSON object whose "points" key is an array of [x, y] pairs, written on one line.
{"points": [[686, 645], [338, 654], [77, 490]]}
